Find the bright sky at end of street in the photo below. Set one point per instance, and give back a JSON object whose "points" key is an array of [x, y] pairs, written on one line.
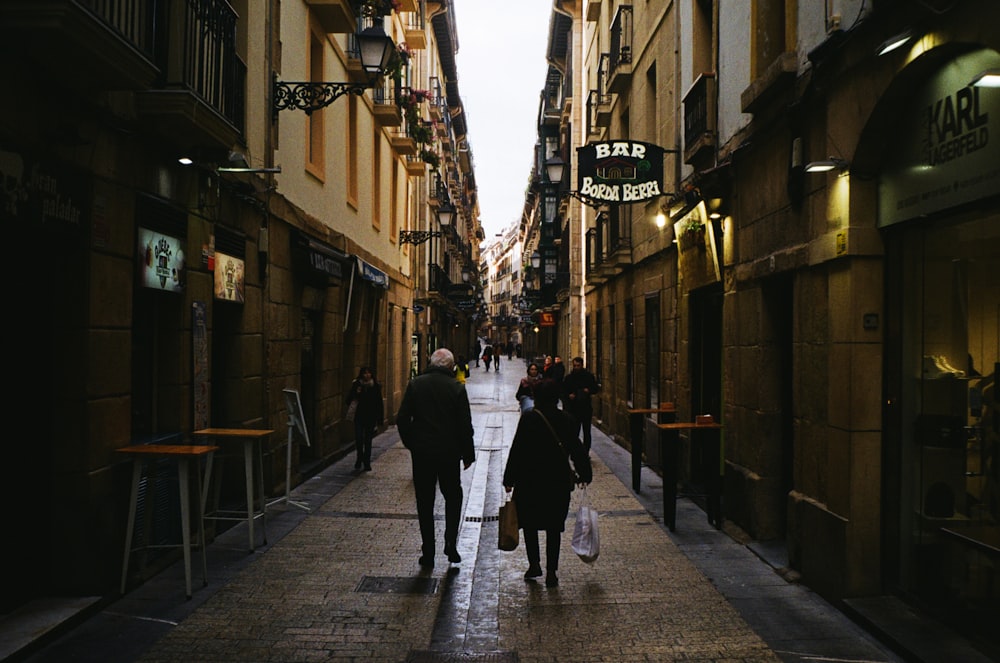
{"points": [[501, 73]]}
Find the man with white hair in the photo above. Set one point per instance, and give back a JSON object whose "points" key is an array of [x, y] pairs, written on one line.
{"points": [[435, 424]]}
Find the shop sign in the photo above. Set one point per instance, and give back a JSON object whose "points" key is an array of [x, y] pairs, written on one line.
{"points": [[373, 274], [620, 171], [946, 151], [546, 319], [39, 191], [318, 257]]}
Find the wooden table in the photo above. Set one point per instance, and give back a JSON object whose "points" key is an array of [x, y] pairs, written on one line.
{"points": [[985, 538], [185, 455], [252, 439], [670, 445], [665, 413]]}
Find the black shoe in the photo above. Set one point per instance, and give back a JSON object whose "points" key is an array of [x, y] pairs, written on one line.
{"points": [[452, 554], [426, 560], [357, 465], [368, 468], [551, 580], [534, 571]]}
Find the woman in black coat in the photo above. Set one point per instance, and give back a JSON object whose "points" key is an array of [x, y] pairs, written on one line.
{"points": [[539, 473], [368, 414]]}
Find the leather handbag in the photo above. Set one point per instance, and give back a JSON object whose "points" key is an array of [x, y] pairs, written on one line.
{"points": [[508, 538]]}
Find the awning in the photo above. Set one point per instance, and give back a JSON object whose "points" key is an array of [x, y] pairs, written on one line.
{"points": [[317, 257], [373, 274]]}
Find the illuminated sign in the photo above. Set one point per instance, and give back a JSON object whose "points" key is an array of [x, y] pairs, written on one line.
{"points": [[620, 171], [228, 278]]}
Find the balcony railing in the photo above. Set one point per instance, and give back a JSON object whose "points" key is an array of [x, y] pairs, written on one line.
{"points": [[438, 280], [699, 117], [552, 98], [210, 66], [620, 64], [132, 20]]}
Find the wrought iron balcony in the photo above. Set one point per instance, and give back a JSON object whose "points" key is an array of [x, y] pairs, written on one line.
{"points": [[620, 64], [92, 44], [700, 118]]}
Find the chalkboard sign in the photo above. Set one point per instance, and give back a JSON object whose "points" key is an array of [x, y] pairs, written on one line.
{"points": [[294, 406]]}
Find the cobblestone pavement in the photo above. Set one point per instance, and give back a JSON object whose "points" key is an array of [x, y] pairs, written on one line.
{"points": [[342, 583]]}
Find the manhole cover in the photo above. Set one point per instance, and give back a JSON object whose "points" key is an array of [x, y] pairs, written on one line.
{"points": [[396, 585], [461, 657]]}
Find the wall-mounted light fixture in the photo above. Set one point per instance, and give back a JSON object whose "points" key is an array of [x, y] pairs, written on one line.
{"points": [[986, 78], [826, 165], [445, 215], [377, 50], [894, 42]]}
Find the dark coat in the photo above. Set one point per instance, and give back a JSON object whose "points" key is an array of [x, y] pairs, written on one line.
{"points": [[434, 418], [526, 387], [538, 469], [575, 399], [371, 410]]}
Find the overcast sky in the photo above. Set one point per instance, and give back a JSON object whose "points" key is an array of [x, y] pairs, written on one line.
{"points": [[501, 72]]}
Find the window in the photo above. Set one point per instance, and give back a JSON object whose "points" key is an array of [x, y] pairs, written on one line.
{"points": [[314, 121], [351, 149], [652, 351], [772, 33], [377, 178]]}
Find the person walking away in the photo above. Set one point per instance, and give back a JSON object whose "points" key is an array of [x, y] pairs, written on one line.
{"points": [[477, 352], [488, 356], [525, 390], [510, 350], [577, 388], [497, 351], [369, 414], [539, 473], [435, 424]]}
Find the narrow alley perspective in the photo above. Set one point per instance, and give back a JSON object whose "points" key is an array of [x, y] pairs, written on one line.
{"points": [[340, 581]]}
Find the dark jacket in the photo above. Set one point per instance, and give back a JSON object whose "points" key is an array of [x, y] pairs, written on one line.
{"points": [[538, 468], [434, 417], [574, 398], [556, 372], [526, 387], [370, 410]]}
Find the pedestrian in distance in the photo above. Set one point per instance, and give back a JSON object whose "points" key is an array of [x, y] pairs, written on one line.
{"points": [[435, 424], [488, 356], [461, 369], [525, 394], [497, 351], [368, 411], [539, 473], [477, 352], [510, 350], [577, 388], [558, 369]]}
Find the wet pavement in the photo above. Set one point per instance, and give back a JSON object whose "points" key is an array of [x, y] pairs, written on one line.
{"points": [[341, 582]]}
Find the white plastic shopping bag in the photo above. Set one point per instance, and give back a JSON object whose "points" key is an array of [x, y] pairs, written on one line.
{"points": [[586, 539]]}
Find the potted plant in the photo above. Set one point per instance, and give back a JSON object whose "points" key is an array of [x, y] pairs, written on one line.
{"points": [[376, 8]]}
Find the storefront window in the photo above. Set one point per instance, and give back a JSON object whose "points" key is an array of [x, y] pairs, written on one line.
{"points": [[950, 482]]}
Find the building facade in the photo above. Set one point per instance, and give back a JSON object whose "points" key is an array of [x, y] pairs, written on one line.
{"points": [[177, 296], [841, 324]]}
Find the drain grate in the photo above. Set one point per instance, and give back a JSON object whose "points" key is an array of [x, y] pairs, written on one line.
{"points": [[397, 585], [482, 519], [462, 657]]}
